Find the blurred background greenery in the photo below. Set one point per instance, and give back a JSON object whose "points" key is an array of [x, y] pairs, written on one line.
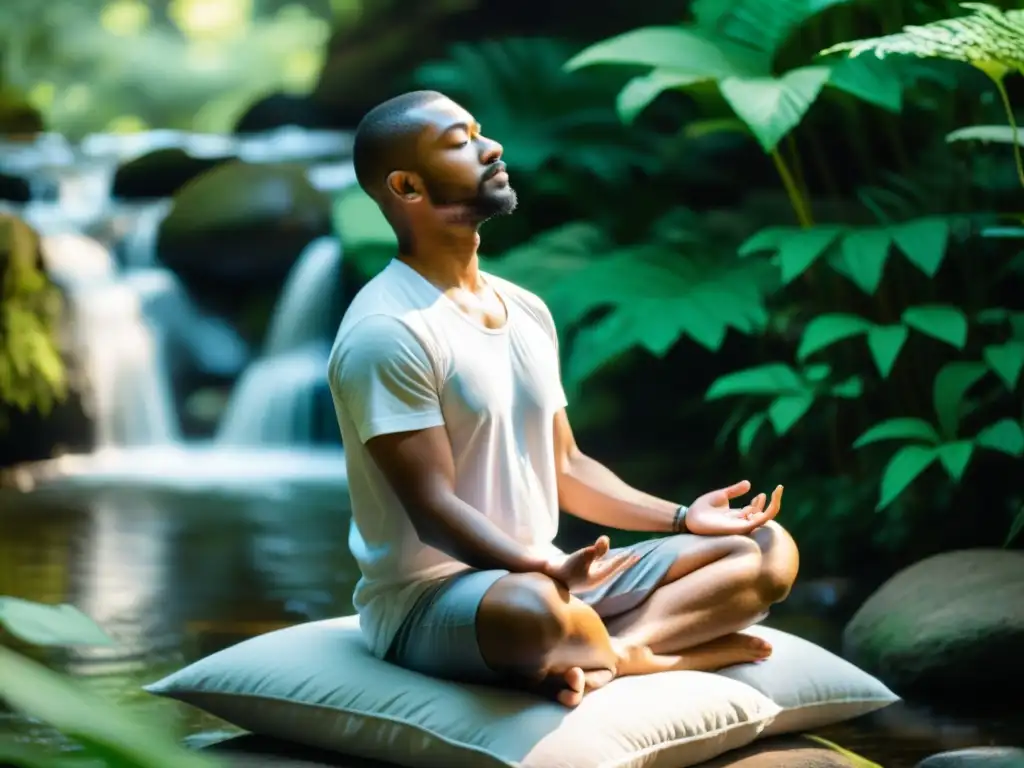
{"points": [[764, 262]]}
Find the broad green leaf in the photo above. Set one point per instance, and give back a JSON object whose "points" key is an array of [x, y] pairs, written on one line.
{"points": [[772, 107], [1006, 361], [30, 755], [996, 134], [39, 693], [798, 249], [903, 468], [49, 625], [945, 323], [923, 242], [755, 23], [1005, 436], [1015, 528], [639, 92], [850, 389], [950, 386], [899, 429], [787, 410], [869, 79], [598, 344], [825, 330], [667, 294], [770, 379], [748, 432], [816, 373], [955, 456], [767, 239], [885, 343], [865, 252], [681, 50]]}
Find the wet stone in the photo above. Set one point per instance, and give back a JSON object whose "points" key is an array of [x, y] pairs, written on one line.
{"points": [[977, 757]]}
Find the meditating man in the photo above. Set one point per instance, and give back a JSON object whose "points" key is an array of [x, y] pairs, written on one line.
{"points": [[446, 385]]}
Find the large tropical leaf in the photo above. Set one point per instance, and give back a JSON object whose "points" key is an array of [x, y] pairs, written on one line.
{"points": [[757, 24], [680, 49], [519, 91], [644, 295], [773, 106]]}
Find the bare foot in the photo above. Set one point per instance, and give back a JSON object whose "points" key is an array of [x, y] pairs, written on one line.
{"points": [[726, 651], [569, 687]]}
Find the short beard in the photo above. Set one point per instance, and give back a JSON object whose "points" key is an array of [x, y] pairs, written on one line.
{"points": [[474, 210]]}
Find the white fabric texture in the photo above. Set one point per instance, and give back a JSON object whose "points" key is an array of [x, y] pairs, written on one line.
{"points": [[317, 684], [813, 686], [406, 357]]}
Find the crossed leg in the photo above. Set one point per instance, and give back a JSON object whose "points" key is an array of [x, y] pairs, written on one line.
{"points": [[530, 629]]}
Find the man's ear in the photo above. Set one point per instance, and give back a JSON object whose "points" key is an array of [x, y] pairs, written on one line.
{"points": [[404, 185]]}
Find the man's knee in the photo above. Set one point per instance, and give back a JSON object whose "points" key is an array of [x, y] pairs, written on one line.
{"points": [[529, 625], [780, 561], [522, 619]]}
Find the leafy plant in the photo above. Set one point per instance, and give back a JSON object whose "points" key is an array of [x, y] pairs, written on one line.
{"points": [[734, 44], [990, 39], [32, 374], [613, 297], [108, 734]]}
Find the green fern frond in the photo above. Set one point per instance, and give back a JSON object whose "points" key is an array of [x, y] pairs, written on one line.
{"points": [[990, 39]]}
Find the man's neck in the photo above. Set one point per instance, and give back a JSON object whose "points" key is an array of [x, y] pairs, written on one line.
{"points": [[447, 258]]}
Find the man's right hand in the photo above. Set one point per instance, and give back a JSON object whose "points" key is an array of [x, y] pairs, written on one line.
{"points": [[586, 568]]}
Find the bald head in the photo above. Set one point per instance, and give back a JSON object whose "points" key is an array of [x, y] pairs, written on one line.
{"points": [[386, 136]]}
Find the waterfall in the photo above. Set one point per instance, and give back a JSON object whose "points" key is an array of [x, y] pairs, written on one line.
{"points": [[275, 401], [123, 359], [305, 311]]}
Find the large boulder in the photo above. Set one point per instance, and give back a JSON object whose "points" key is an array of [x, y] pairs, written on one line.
{"points": [[241, 227], [951, 625]]}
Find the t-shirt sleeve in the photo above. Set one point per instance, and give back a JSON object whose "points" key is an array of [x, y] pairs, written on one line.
{"points": [[384, 378], [547, 321]]}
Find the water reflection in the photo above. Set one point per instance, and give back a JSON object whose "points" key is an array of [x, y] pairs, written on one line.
{"points": [[175, 552]]}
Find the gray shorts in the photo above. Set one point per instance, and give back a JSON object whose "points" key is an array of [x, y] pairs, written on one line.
{"points": [[438, 636]]}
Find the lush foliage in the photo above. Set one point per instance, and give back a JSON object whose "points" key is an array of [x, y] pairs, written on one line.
{"points": [[108, 735], [867, 344], [104, 65], [32, 374]]}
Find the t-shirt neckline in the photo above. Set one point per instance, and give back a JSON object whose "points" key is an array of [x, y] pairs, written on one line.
{"points": [[447, 300]]}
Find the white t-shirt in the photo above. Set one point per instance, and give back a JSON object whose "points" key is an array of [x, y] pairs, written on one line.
{"points": [[407, 358]]}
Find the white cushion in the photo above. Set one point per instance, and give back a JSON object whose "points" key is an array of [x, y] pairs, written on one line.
{"points": [[317, 684], [813, 686]]}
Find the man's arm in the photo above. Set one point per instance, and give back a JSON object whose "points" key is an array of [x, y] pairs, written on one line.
{"points": [[589, 490], [419, 467]]}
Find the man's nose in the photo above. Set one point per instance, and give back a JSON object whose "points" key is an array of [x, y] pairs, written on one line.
{"points": [[492, 152]]}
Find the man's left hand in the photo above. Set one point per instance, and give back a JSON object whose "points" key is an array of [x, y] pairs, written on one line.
{"points": [[711, 515]]}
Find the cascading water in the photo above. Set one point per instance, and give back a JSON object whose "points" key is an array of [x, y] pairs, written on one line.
{"points": [[305, 311], [275, 401], [122, 358]]}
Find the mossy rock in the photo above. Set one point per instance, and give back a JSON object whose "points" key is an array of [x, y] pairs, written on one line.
{"points": [[241, 226], [160, 174], [951, 625]]}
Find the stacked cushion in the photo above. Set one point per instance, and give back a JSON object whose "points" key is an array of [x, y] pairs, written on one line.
{"points": [[317, 684]]}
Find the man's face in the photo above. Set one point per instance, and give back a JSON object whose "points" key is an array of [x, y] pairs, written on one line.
{"points": [[460, 167]]}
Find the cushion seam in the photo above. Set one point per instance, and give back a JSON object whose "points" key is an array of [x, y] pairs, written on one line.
{"points": [[763, 720]]}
